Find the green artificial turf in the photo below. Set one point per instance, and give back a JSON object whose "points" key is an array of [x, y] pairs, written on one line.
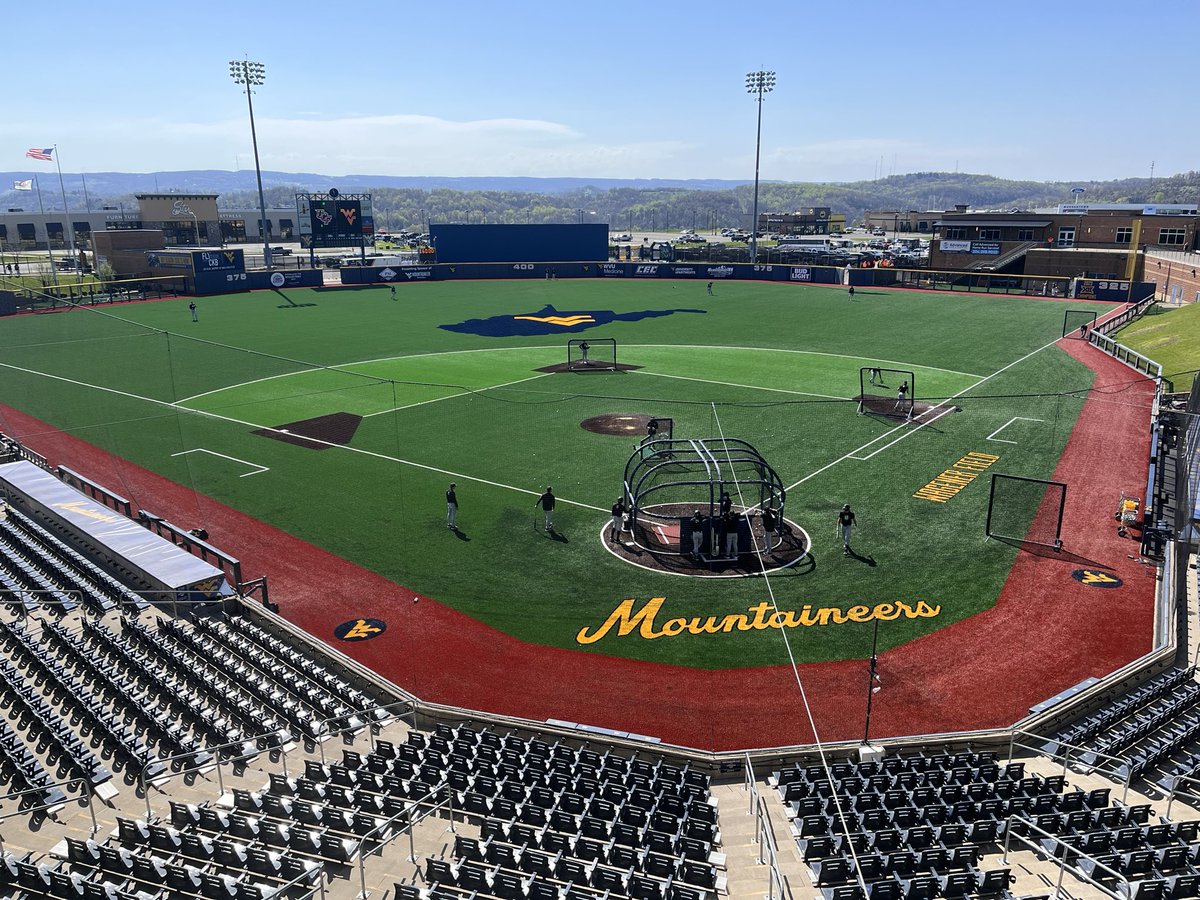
{"points": [[775, 365]]}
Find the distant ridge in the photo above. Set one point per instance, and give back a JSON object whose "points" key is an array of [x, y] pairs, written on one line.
{"points": [[218, 181]]}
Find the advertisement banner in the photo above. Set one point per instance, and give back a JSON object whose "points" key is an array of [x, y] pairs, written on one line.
{"points": [[985, 248], [955, 246], [647, 270], [800, 273], [720, 272], [613, 270], [220, 261]]}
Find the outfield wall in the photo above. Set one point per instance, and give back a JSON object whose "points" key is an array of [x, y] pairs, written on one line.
{"points": [[912, 279], [699, 271]]}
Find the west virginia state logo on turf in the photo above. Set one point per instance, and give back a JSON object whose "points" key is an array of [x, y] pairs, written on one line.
{"points": [[549, 320], [1096, 578]]}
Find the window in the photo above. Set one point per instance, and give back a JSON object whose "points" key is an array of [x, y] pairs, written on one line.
{"points": [[955, 234], [1066, 236], [26, 235], [1174, 236], [989, 234], [1124, 235], [54, 233], [1025, 234], [3, 235]]}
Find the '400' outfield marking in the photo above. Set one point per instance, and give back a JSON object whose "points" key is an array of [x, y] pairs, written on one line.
{"points": [[957, 477], [626, 621]]}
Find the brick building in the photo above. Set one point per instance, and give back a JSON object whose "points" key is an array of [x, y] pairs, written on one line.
{"points": [[1067, 240]]}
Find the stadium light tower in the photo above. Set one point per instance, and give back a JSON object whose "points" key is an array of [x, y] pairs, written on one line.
{"points": [[757, 83], [252, 74]]}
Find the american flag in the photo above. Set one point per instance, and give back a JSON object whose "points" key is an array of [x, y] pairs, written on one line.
{"points": [[46, 153]]}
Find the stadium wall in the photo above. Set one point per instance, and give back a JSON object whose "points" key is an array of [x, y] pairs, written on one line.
{"points": [[698, 271]]}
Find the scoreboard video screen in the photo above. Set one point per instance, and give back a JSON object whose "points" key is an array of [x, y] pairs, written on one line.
{"points": [[334, 220]]}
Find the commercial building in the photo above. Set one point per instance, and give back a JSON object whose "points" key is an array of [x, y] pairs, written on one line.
{"points": [[1068, 240], [816, 220], [184, 219]]}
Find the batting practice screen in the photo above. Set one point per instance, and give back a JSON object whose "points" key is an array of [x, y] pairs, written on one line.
{"points": [[1028, 510], [520, 243]]}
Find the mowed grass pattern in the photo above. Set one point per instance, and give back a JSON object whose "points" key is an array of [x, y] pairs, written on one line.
{"points": [[771, 364]]}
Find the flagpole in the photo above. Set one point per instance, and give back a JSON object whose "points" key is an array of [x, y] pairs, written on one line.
{"points": [[67, 213], [871, 677], [86, 200], [41, 209]]}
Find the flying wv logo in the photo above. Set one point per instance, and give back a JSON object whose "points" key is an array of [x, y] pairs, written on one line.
{"points": [[549, 320], [349, 213], [564, 321]]}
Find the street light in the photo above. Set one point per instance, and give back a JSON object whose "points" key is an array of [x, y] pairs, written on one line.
{"points": [[195, 226], [252, 74], [757, 83]]}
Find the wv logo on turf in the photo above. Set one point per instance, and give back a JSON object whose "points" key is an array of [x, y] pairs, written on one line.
{"points": [[1095, 578], [549, 320]]}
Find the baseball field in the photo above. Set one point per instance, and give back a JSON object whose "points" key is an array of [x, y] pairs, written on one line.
{"points": [[339, 417]]}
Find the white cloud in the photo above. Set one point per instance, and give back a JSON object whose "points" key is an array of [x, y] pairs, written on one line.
{"points": [[373, 144]]}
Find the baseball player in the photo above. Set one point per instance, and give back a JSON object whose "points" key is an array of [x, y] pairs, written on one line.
{"points": [[845, 522]]}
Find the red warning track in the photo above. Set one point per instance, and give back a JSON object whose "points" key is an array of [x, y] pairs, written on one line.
{"points": [[1045, 633]]}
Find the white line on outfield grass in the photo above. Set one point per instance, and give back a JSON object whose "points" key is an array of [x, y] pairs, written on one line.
{"points": [[910, 431], [258, 469], [752, 387], [992, 436], [220, 418], [462, 392]]}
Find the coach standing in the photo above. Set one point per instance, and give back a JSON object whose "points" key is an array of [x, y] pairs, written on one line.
{"points": [[452, 508], [546, 501]]}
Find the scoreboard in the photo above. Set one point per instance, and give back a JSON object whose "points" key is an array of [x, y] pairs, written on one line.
{"points": [[333, 219]]}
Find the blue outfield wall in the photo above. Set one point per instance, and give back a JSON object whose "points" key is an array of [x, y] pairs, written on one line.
{"points": [[532, 243], [699, 271]]}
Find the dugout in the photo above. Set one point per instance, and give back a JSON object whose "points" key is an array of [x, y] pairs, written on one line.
{"points": [[667, 481], [520, 243]]}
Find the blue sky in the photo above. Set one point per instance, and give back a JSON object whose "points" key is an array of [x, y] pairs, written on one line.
{"points": [[1066, 90]]}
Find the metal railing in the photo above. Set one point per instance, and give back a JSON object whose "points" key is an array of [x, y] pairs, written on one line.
{"points": [[764, 835], [1114, 775], [85, 794], [1124, 354], [1062, 864], [447, 802], [261, 743]]}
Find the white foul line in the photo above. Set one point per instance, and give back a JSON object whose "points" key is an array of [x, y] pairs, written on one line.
{"points": [[992, 436], [230, 419], [851, 454], [749, 387], [260, 469], [462, 392]]}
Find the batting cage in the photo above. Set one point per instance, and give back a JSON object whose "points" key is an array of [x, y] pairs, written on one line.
{"points": [[1027, 510], [592, 355], [888, 392], [1077, 322], [673, 490]]}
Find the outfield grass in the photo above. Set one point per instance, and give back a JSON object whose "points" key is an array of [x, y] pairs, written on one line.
{"points": [[775, 365], [1170, 337]]}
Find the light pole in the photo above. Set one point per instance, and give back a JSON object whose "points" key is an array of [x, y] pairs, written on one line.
{"points": [[252, 74], [195, 226], [757, 83]]}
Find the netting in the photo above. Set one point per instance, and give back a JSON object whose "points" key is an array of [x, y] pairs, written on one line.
{"points": [[886, 392], [598, 353], [1076, 320], [1026, 510]]}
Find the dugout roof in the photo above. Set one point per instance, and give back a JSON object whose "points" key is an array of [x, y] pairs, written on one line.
{"points": [[110, 533]]}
